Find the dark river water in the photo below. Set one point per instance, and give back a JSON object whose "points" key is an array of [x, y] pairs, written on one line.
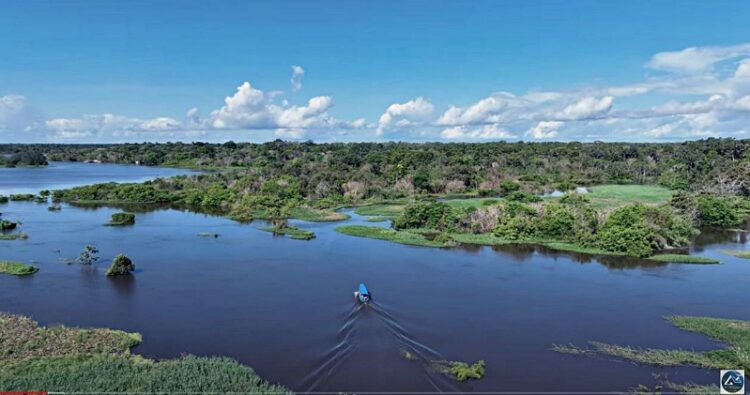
{"points": [[285, 307]]}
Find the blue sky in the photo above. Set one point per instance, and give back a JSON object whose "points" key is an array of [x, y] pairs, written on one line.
{"points": [[101, 71]]}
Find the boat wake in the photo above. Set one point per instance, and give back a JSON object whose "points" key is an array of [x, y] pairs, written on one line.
{"points": [[379, 340]]}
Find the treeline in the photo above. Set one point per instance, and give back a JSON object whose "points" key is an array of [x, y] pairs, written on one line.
{"points": [[22, 156], [388, 170]]}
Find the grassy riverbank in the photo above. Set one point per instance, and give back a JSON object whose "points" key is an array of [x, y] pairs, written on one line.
{"points": [[402, 237], [17, 268], [61, 358]]}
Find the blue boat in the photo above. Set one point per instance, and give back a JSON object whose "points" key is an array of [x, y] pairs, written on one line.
{"points": [[363, 295]]}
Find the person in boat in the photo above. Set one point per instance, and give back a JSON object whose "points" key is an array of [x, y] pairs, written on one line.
{"points": [[362, 294]]}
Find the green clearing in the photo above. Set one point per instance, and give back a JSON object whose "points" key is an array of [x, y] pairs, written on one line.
{"points": [[381, 209], [403, 237], [291, 231], [16, 269], [735, 333], [612, 196], [738, 253], [678, 258], [379, 218], [80, 360]]}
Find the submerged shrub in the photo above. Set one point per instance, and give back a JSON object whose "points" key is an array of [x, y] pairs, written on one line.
{"points": [[7, 225], [122, 219], [121, 265]]}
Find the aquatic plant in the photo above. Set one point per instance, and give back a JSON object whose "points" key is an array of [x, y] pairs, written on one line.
{"points": [[54, 207], [735, 333], [738, 253], [291, 231], [679, 258], [14, 236], [21, 197], [122, 218], [16, 269], [409, 237], [461, 371], [3, 199], [121, 266]]}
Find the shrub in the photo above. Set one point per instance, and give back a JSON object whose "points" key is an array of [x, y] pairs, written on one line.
{"points": [[122, 219], [121, 265], [7, 225], [523, 197], [506, 187], [433, 215], [717, 211]]}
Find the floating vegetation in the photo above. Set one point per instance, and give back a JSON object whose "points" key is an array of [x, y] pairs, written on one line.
{"points": [[14, 236], [89, 255], [16, 269], [735, 333], [208, 234], [54, 207], [291, 231], [119, 219], [461, 371], [121, 266], [738, 253], [378, 218], [3, 199], [405, 354], [679, 258]]}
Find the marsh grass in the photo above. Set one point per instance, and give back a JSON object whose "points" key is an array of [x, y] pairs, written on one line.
{"points": [[471, 202], [738, 253], [315, 215], [735, 333], [490, 239], [678, 258], [14, 236], [379, 218], [380, 209], [611, 196], [409, 237], [98, 360], [16, 269]]}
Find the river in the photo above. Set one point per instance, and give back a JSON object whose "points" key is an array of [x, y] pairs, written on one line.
{"points": [[285, 307]]}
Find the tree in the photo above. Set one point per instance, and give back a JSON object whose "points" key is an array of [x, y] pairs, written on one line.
{"points": [[121, 266]]}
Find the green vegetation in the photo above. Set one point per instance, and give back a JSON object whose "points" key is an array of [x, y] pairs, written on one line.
{"points": [[119, 219], [315, 215], [3, 199], [411, 237], [54, 207], [121, 266], [612, 196], [291, 231], [98, 360], [738, 254], [678, 258], [16, 269], [461, 371], [14, 236], [407, 355], [24, 157], [7, 225], [380, 209], [378, 219], [470, 202], [89, 255], [735, 333], [22, 197]]}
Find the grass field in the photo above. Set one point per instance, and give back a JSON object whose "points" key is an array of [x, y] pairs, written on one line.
{"points": [[678, 258], [315, 215], [16, 268], [471, 202], [611, 196], [381, 209]]}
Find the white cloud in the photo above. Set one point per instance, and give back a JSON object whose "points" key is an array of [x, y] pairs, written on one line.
{"points": [[296, 80], [406, 114], [545, 130], [588, 107], [696, 59], [486, 132]]}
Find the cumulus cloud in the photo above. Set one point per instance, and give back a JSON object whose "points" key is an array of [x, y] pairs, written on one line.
{"points": [[402, 115], [588, 107], [296, 80], [545, 130]]}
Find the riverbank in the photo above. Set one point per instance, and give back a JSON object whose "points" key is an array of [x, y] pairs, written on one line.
{"points": [[61, 358]]}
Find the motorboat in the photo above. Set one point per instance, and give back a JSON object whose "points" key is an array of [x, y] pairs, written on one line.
{"points": [[362, 294]]}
